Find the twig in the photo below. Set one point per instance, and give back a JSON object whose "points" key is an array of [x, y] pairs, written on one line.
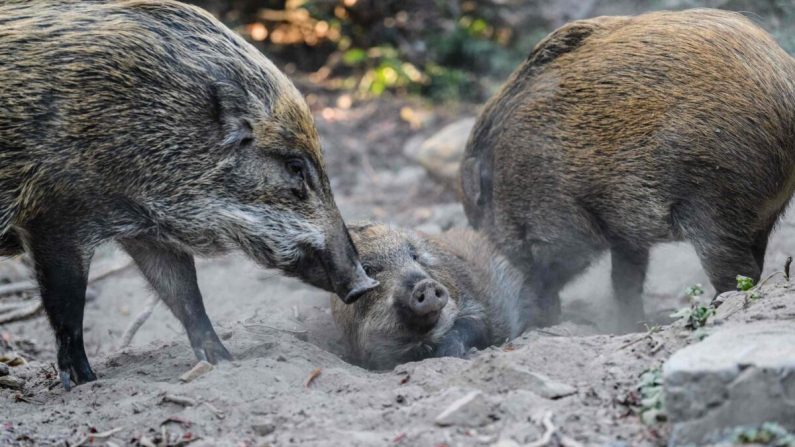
{"points": [[550, 333], [12, 306], [21, 314], [96, 436], [549, 430], [18, 287], [179, 400], [312, 376], [27, 285], [787, 264], [567, 441], [136, 324]]}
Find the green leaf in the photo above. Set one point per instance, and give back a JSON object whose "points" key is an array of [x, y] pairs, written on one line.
{"points": [[744, 283]]}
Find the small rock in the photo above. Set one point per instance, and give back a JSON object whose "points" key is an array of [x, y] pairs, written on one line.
{"points": [[441, 154], [740, 375], [535, 382], [12, 382], [197, 371], [263, 427], [3, 369], [471, 410]]}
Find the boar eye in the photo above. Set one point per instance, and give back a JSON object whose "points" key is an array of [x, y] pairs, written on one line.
{"points": [[413, 253], [296, 168], [371, 269]]}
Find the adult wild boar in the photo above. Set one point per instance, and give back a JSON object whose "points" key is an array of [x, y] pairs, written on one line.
{"points": [[151, 123], [618, 133]]}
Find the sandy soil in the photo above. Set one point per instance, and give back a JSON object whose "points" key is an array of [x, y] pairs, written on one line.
{"points": [[281, 333]]}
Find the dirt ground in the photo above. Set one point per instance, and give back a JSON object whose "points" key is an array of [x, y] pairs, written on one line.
{"points": [[281, 334]]}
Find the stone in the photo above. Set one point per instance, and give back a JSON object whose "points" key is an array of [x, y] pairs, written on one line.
{"points": [[472, 410], [538, 383], [197, 371], [441, 154], [3, 369], [263, 427], [740, 375], [12, 382]]}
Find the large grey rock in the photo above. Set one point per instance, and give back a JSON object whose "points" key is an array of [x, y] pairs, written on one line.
{"points": [[441, 154], [741, 375]]}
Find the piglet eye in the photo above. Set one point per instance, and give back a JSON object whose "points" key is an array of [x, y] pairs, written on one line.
{"points": [[296, 168]]}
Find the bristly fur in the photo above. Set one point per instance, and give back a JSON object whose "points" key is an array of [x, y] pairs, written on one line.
{"points": [[482, 285], [117, 103], [150, 123], [621, 132]]}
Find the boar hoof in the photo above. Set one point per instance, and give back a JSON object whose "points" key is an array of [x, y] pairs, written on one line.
{"points": [[77, 372], [212, 351]]}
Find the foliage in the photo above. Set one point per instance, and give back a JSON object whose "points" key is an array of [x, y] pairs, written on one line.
{"points": [[694, 290], [744, 283], [652, 401], [697, 313], [769, 433], [437, 49]]}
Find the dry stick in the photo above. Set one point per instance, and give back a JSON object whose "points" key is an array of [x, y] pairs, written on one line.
{"points": [[21, 314], [31, 286], [549, 430], [136, 324], [96, 436]]}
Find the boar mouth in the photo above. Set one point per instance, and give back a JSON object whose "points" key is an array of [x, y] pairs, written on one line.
{"points": [[417, 324]]}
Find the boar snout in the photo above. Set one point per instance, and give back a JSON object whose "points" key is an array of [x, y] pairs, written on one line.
{"points": [[428, 297], [335, 267], [421, 307]]}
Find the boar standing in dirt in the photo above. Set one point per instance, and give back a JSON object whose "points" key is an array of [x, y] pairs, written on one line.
{"points": [[150, 123], [621, 132], [438, 296]]}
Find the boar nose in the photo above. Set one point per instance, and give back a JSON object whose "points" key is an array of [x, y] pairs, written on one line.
{"points": [[361, 284], [428, 297]]}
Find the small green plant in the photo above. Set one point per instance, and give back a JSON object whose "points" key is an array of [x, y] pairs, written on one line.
{"points": [[652, 402], [697, 313], [769, 433], [694, 290], [744, 283]]}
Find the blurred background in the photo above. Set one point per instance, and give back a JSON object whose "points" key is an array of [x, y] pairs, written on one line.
{"points": [[441, 50]]}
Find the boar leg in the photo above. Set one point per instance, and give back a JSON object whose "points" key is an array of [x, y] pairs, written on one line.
{"points": [[724, 259], [552, 268], [628, 274], [172, 274], [62, 272], [760, 247], [466, 333]]}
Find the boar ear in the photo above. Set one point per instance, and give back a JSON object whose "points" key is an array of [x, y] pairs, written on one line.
{"points": [[570, 36], [359, 227], [231, 106], [470, 179]]}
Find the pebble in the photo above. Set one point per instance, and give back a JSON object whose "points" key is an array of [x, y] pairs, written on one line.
{"points": [[197, 371], [12, 382]]}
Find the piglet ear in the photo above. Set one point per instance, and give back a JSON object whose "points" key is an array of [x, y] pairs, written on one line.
{"points": [[231, 110]]}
